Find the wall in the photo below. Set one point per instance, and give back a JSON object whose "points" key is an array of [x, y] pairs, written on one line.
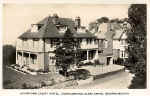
{"points": [[116, 44], [85, 45], [116, 54], [30, 45]]}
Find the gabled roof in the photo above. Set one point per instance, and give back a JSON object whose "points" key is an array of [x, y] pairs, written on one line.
{"points": [[105, 34], [118, 34], [84, 35], [49, 29]]}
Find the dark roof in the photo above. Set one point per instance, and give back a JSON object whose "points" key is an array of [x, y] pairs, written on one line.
{"points": [[49, 30]]}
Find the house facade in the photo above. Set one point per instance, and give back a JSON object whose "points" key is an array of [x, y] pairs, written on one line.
{"points": [[35, 47], [105, 44], [120, 42], [112, 41]]}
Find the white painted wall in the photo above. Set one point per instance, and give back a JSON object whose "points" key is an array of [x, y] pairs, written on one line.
{"points": [[116, 44], [103, 27], [121, 45], [34, 28], [30, 45], [84, 44]]}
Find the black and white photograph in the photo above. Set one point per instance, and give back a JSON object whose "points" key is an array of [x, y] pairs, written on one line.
{"points": [[74, 46]]}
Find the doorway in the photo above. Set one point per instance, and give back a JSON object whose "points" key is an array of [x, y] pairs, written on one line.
{"points": [[109, 60]]}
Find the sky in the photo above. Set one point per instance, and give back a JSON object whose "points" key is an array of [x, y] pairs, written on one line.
{"points": [[17, 18]]}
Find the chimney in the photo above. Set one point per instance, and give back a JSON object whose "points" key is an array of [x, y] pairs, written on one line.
{"points": [[55, 18], [77, 22]]}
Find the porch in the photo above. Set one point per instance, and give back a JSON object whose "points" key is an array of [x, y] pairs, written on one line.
{"points": [[26, 59], [87, 55]]}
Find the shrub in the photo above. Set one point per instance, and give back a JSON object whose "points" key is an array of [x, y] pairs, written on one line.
{"points": [[32, 70], [89, 63], [59, 79], [31, 86], [71, 83], [42, 70], [47, 83], [80, 74], [9, 55], [25, 86], [120, 61]]}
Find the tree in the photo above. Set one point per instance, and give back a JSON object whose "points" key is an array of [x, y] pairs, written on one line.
{"points": [[9, 55], [136, 62], [103, 19], [65, 54], [94, 25]]}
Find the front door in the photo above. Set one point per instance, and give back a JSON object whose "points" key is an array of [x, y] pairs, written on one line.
{"points": [[108, 60]]}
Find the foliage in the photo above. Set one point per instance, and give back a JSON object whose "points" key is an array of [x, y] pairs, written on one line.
{"points": [[80, 74], [94, 24], [30, 86], [103, 19], [9, 55], [65, 54], [48, 83], [136, 62]]}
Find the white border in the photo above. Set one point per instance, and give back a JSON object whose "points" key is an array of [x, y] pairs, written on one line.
{"points": [[79, 1], [132, 92]]}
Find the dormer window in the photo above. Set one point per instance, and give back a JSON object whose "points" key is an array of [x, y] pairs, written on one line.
{"points": [[81, 30], [36, 27], [62, 28], [55, 19]]}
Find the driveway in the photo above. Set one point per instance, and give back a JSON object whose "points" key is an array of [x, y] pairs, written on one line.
{"points": [[120, 80]]}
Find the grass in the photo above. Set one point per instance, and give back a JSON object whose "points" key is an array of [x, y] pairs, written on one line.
{"points": [[15, 80]]}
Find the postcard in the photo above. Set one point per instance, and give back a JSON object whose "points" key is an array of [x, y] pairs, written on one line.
{"points": [[68, 48]]}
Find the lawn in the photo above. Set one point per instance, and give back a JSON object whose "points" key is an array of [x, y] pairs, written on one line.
{"points": [[15, 80]]}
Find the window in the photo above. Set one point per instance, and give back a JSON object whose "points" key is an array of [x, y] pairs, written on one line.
{"points": [[52, 43], [35, 42], [33, 58], [106, 43], [95, 41], [123, 54], [87, 41], [52, 60], [140, 38], [100, 51], [90, 41], [123, 42], [24, 41]]}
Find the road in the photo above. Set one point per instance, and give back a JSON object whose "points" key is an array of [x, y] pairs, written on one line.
{"points": [[120, 80]]}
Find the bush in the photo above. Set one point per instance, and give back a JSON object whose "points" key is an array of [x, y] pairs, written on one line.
{"points": [[80, 64], [25, 86], [137, 82], [31, 86], [9, 55], [96, 62], [119, 61], [80, 74], [59, 79], [48, 83], [71, 83], [63, 73], [43, 71], [89, 63], [32, 70]]}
